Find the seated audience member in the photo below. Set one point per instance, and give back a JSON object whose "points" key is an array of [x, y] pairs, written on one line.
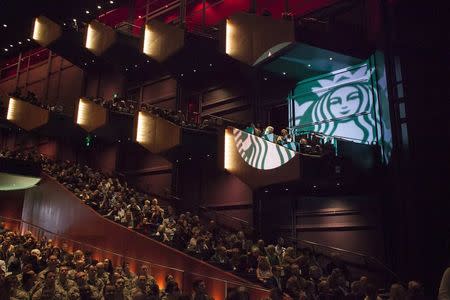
{"points": [[269, 135], [253, 259], [397, 292], [221, 258], [371, 292], [172, 291], [282, 139], [199, 291], [264, 273], [289, 257], [240, 293], [336, 283], [415, 291], [49, 289], [258, 131], [274, 260]]}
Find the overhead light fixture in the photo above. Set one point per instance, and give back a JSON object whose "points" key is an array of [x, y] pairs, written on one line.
{"points": [[284, 73], [20, 43], [6, 49], [331, 58], [182, 75], [148, 61], [135, 66], [28, 40], [74, 20], [87, 12], [309, 66], [195, 70], [111, 2], [265, 78], [99, 7], [4, 25], [210, 65], [11, 45]]}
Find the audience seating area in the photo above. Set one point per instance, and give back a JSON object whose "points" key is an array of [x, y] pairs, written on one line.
{"points": [[279, 267], [306, 143], [31, 98]]}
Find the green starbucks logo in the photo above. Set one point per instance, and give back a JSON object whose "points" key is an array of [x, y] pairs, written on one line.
{"points": [[259, 153], [342, 106]]}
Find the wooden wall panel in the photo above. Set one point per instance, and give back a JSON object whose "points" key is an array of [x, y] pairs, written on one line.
{"points": [[159, 90], [111, 83], [11, 204], [53, 89], [37, 72], [70, 88], [22, 79], [37, 87], [55, 63], [8, 85]]}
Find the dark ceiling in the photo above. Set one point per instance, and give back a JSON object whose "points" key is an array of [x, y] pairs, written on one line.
{"points": [[16, 18]]}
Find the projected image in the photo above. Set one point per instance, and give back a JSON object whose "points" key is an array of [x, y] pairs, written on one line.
{"points": [[339, 104], [259, 153]]}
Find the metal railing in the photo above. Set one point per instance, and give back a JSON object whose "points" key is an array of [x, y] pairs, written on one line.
{"points": [[356, 260], [219, 287], [225, 220]]}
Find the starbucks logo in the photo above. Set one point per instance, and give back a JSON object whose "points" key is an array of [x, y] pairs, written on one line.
{"points": [[259, 153]]}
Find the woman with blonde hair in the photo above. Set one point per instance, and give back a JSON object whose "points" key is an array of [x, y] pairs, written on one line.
{"points": [[264, 272]]}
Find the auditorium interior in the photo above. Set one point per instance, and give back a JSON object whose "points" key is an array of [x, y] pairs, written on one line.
{"points": [[224, 149]]}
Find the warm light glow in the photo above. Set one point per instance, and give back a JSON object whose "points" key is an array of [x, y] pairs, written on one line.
{"points": [[229, 38], [149, 44], [228, 150], [37, 31], [90, 41], [143, 125], [12, 109], [83, 112]]}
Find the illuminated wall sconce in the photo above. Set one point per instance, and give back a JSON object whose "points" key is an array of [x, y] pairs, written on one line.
{"points": [[89, 115], [230, 149], [143, 130], [45, 31], [12, 109], [230, 38], [99, 37], [162, 40], [155, 133], [250, 38], [149, 41], [26, 115]]}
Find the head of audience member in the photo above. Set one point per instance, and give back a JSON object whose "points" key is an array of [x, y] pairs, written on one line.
{"points": [[397, 292]]}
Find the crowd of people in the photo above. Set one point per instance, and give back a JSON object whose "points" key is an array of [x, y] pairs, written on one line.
{"points": [[122, 105], [177, 117], [32, 269], [117, 104], [278, 266], [304, 143], [31, 97]]}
